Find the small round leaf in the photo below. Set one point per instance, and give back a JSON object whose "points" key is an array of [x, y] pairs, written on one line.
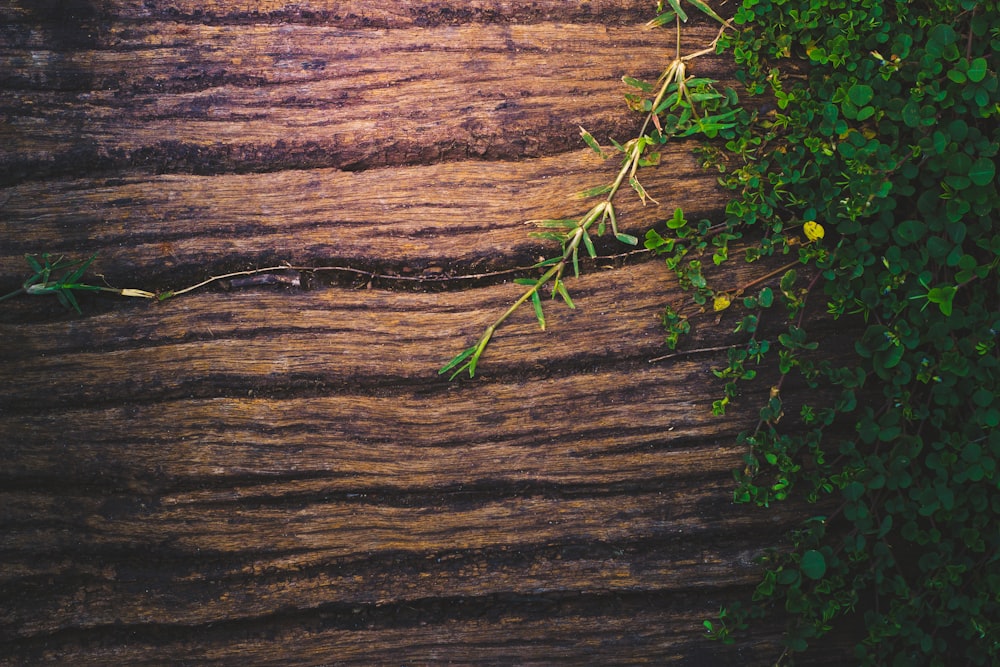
{"points": [[977, 70], [982, 171], [860, 94], [813, 564]]}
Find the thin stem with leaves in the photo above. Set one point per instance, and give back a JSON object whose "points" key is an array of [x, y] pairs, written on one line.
{"points": [[677, 93]]}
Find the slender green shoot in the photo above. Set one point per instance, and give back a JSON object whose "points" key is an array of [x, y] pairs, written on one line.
{"points": [[673, 111], [62, 277]]}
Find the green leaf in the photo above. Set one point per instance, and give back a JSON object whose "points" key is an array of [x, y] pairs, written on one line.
{"points": [[977, 70], [891, 357], [911, 114], [910, 231], [982, 171], [707, 10], [459, 358], [885, 526], [33, 263], [788, 577], [561, 289], [813, 564], [672, 98], [676, 5], [590, 141], [656, 242], [983, 397], [943, 297], [593, 192], [662, 19], [677, 221], [536, 301], [855, 490], [589, 245], [860, 94], [797, 644], [641, 191], [637, 83], [78, 273], [788, 280], [67, 299]]}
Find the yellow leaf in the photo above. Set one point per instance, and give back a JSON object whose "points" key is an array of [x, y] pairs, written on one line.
{"points": [[142, 294], [814, 231], [721, 303]]}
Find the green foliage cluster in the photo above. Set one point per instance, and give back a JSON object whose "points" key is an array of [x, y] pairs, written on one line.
{"points": [[867, 158], [62, 277], [873, 168]]}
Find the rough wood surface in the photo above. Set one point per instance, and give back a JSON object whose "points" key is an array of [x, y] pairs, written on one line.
{"points": [[233, 97], [277, 475], [449, 218]]}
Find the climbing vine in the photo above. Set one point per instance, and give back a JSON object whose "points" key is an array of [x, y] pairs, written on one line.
{"points": [[875, 169], [678, 105], [868, 160]]}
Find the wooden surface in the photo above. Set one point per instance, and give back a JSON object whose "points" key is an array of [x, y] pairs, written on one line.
{"points": [[277, 475]]}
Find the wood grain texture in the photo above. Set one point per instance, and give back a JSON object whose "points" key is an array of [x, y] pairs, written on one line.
{"points": [[461, 217], [214, 98], [277, 475]]}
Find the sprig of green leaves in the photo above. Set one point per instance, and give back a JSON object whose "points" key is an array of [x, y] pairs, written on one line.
{"points": [[682, 106], [882, 151], [61, 277]]}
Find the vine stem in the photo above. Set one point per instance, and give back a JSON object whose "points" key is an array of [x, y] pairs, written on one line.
{"points": [[13, 294], [699, 350], [739, 292]]}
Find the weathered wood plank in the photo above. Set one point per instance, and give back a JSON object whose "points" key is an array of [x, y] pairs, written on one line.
{"points": [[272, 342], [351, 497], [279, 476], [242, 98], [404, 13], [457, 217], [545, 632], [396, 442], [341, 13], [326, 551]]}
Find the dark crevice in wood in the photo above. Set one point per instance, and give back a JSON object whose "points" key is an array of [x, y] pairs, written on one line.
{"points": [[127, 391], [362, 15], [257, 495], [175, 157], [371, 617]]}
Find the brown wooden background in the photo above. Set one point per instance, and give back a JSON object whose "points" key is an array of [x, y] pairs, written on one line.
{"points": [[277, 475]]}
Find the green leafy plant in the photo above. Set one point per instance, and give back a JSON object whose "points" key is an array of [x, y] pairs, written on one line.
{"points": [[62, 277], [871, 164], [682, 106], [881, 151]]}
